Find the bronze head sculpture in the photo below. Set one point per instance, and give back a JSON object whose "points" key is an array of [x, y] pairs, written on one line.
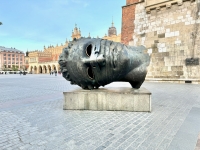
{"points": [[91, 63]]}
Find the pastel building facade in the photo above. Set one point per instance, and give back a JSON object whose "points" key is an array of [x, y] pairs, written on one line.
{"points": [[11, 57]]}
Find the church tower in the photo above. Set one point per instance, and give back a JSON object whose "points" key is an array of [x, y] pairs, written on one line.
{"points": [[112, 30], [76, 33]]}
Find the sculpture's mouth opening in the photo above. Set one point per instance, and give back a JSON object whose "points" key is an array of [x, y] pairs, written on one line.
{"points": [[90, 72]]}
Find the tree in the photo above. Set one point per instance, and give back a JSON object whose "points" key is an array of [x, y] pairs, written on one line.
{"points": [[1, 23], [4, 68], [14, 68]]}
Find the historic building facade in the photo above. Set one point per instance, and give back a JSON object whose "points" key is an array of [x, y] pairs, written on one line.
{"points": [[112, 34], [170, 29], [11, 58], [46, 61]]}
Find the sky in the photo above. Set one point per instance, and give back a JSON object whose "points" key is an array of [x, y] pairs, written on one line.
{"points": [[33, 24]]}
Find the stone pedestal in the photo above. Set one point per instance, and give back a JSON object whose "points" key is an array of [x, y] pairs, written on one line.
{"points": [[116, 99]]}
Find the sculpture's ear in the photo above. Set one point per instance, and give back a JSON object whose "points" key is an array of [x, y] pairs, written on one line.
{"points": [[66, 50], [142, 48]]}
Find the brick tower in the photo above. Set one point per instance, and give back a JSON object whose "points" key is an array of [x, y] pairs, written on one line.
{"points": [[128, 17]]}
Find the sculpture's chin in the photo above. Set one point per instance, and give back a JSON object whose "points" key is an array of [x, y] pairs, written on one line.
{"points": [[136, 76]]}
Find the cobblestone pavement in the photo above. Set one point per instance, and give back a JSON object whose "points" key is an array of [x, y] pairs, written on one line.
{"points": [[31, 118]]}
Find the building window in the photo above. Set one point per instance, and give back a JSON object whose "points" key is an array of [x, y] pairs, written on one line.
{"points": [[13, 55], [8, 66], [4, 58], [8, 54], [17, 59], [32, 59]]}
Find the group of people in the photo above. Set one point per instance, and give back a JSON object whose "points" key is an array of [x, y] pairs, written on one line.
{"points": [[24, 73], [52, 72], [2, 72]]}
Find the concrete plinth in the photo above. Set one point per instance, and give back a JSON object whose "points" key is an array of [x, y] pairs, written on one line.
{"points": [[117, 99]]}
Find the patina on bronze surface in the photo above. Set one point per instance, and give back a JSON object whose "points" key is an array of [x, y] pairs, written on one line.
{"points": [[91, 63]]}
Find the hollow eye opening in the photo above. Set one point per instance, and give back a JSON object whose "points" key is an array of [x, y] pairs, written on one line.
{"points": [[89, 50], [90, 73]]}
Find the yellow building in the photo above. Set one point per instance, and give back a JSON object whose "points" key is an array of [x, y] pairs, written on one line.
{"points": [[76, 33], [46, 61]]}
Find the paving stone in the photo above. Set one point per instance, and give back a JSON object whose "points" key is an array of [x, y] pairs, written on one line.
{"points": [[31, 113]]}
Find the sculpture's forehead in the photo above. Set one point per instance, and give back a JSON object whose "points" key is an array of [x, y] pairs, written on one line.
{"points": [[86, 41]]}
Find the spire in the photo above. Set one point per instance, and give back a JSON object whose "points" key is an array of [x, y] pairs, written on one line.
{"points": [[66, 42], [112, 30], [89, 35], [27, 52], [76, 33], [112, 22], [79, 31], [75, 28]]}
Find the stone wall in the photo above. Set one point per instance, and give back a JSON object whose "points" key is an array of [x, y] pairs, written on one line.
{"points": [[171, 33]]}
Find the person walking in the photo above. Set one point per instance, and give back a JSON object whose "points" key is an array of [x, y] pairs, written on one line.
{"points": [[20, 72]]}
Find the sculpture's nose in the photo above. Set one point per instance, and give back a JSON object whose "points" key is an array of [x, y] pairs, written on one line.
{"points": [[95, 60], [100, 59]]}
